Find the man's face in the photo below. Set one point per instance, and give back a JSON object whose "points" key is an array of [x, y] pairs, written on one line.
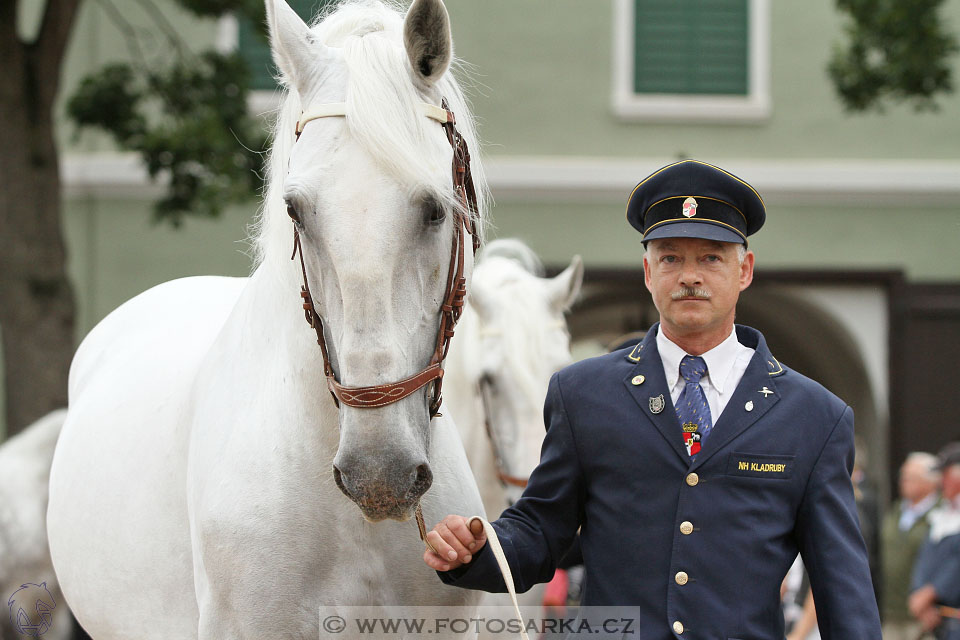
{"points": [[916, 482], [951, 482], [695, 283]]}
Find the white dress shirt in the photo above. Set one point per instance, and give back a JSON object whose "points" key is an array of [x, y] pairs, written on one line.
{"points": [[910, 513], [726, 364]]}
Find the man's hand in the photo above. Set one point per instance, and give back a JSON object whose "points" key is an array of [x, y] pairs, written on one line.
{"points": [[929, 619], [921, 600], [455, 541]]}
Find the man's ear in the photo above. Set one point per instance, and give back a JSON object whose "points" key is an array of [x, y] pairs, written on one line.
{"points": [[646, 269], [746, 270]]}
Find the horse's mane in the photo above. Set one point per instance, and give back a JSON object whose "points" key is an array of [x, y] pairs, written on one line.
{"points": [[370, 36]]}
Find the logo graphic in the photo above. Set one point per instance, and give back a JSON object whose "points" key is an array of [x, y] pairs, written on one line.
{"points": [[31, 608], [689, 208], [657, 404], [691, 439]]}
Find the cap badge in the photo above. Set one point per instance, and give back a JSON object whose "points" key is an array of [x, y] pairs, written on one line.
{"points": [[689, 208]]}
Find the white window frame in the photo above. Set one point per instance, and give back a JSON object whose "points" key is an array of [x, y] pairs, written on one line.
{"points": [[755, 107]]}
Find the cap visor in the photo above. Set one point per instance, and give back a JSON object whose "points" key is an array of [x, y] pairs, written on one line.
{"points": [[704, 229]]}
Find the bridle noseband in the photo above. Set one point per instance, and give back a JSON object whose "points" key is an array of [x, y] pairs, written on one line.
{"points": [[452, 307]]}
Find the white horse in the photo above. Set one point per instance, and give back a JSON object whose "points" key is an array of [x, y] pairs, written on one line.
{"points": [[24, 554], [511, 340], [193, 489]]}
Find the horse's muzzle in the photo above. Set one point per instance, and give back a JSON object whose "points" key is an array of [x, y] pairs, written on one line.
{"points": [[383, 495]]}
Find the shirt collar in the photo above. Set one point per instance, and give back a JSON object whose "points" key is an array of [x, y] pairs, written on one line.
{"points": [[923, 505], [719, 360]]}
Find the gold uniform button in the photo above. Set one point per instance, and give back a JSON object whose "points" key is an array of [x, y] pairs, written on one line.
{"points": [[681, 578], [637, 380], [678, 627], [686, 528], [693, 479]]}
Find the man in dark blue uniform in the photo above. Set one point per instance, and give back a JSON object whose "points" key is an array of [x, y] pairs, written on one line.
{"points": [[935, 590], [695, 465]]}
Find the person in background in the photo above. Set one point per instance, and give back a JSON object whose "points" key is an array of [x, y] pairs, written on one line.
{"points": [[935, 591], [905, 528]]}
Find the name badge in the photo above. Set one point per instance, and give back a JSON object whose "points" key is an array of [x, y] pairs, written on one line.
{"points": [[757, 465]]}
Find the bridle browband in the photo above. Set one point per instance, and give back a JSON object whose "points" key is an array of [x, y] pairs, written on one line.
{"points": [[452, 307]]}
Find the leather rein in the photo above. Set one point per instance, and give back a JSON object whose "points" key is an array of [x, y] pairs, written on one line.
{"points": [[374, 396]]}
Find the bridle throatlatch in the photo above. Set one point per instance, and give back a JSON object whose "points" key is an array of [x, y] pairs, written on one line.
{"points": [[464, 221]]}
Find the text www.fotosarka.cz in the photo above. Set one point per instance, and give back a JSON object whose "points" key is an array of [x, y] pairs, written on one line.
{"points": [[498, 621]]}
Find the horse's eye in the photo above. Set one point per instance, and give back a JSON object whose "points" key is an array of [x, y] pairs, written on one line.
{"points": [[292, 212], [434, 211]]}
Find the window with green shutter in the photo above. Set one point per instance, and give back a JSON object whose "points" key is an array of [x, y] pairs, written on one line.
{"points": [[256, 50], [691, 60], [691, 46]]}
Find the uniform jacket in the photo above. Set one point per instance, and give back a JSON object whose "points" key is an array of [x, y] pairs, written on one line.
{"points": [[938, 564], [696, 549]]}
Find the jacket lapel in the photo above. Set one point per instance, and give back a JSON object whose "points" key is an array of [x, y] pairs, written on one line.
{"points": [[754, 396], [652, 393]]}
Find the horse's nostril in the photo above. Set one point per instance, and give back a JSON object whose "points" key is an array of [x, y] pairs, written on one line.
{"points": [[338, 478], [423, 479]]}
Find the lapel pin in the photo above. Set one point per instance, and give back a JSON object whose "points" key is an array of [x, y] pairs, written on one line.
{"points": [[637, 380], [765, 392], [749, 405], [657, 404]]}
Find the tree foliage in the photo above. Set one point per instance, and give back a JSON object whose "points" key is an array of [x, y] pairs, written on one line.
{"points": [[895, 51], [187, 118]]}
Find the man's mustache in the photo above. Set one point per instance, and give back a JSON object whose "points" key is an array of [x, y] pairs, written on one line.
{"points": [[690, 292]]}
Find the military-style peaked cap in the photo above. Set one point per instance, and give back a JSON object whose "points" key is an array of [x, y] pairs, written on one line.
{"points": [[693, 199]]}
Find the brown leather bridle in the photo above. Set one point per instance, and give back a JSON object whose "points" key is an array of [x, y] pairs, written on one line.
{"points": [[452, 307], [498, 458]]}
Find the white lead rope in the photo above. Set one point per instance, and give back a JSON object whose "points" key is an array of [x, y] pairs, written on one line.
{"points": [[494, 543], [501, 558]]}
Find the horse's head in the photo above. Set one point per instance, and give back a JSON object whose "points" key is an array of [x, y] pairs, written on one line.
{"points": [[372, 198], [523, 342]]}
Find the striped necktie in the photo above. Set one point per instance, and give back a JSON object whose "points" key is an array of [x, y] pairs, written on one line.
{"points": [[692, 408]]}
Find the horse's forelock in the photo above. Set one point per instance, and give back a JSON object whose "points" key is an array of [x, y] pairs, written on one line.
{"points": [[379, 87]]}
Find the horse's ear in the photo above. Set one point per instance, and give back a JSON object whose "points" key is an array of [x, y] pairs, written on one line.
{"points": [[479, 300], [565, 287], [290, 41], [427, 38]]}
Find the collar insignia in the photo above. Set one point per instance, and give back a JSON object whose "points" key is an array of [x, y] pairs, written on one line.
{"points": [[657, 404]]}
